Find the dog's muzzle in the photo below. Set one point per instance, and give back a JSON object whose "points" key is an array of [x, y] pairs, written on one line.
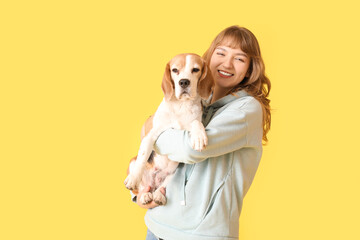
{"points": [[184, 83]]}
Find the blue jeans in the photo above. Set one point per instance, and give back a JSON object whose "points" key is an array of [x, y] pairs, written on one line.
{"points": [[151, 236]]}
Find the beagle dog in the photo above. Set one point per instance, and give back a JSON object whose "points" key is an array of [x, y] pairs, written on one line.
{"points": [[187, 80]]}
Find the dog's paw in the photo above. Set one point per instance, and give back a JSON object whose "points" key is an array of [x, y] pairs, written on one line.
{"points": [[198, 140], [146, 198], [131, 182], [159, 198]]}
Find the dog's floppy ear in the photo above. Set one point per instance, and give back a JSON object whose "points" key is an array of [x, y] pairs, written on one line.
{"points": [[167, 84], [206, 82]]}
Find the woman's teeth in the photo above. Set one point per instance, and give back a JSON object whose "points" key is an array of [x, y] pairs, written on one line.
{"points": [[225, 73]]}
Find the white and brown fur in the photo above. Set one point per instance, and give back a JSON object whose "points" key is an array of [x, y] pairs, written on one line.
{"points": [[187, 79]]}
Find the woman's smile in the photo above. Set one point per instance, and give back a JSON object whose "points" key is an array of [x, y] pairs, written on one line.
{"points": [[225, 74]]}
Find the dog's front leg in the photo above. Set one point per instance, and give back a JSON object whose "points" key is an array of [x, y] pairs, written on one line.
{"points": [[198, 136]]}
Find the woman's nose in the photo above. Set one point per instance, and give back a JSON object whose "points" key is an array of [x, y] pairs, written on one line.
{"points": [[227, 62]]}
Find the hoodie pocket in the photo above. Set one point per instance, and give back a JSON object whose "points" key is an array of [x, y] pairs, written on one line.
{"points": [[188, 171], [213, 198], [221, 217]]}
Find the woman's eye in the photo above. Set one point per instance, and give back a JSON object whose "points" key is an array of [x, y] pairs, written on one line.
{"points": [[240, 59], [174, 70], [195, 70], [220, 53]]}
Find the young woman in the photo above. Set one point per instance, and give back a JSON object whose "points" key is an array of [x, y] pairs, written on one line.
{"points": [[206, 193]]}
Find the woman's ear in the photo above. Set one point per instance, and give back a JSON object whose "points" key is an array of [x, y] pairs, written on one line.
{"points": [[253, 73], [206, 82], [167, 84]]}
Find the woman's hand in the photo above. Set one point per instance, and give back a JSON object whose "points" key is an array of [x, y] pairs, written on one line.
{"points": [[151, 204]]}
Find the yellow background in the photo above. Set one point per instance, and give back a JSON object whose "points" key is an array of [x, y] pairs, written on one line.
{"points": [[78, 79]]}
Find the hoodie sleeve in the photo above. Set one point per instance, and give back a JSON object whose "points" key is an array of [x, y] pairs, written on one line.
{"points": [[232, 129]]}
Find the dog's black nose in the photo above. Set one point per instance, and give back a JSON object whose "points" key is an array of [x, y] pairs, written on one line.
{"points": [[184, 83]]}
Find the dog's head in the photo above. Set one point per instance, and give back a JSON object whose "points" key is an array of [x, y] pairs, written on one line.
{"points": [[187, 76]]}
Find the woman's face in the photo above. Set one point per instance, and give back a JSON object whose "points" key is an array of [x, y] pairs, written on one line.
{"points": [[228, 66]]}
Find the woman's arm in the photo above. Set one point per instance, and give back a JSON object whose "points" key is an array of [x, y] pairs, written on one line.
{"points": [[230, 130]]}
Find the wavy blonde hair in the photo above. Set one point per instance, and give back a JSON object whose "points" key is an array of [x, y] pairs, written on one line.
{"points": [[256, 83]]}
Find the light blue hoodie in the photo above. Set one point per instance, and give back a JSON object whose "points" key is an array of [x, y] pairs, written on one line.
{"points": [[205, 196]]}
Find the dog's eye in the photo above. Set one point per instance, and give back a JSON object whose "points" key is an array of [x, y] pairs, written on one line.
{"points": [[175, 70], [195, 70]]}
